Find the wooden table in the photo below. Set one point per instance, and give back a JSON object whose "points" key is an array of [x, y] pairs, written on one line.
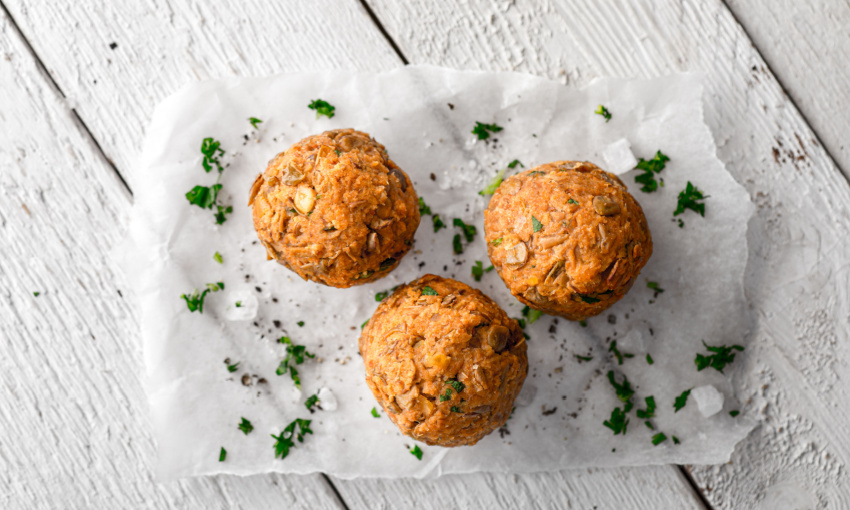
{"points": [[78, 83]]}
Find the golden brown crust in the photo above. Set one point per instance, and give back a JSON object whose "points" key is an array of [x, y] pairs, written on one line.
{"points": [[335, 209], [415, 343], [592, 241]]}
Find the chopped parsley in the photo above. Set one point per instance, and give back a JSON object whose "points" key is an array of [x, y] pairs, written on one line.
{"points": [[457, 385], [654, 286], [294, 356], [417, 452], [423, 208], [311, 401], [364, 324], [572, 201], [36, 294], [206, 197], [650, 168], [618, 421], [322, 107], [254, 121], [211, 149], [624, 391], [284, 441], [734, 413], [239, 304], [675, 439], [494, 183], [659, 438], [457, 245], [380, 296], [455, 409], [478, 270], [234, 367], [218, 258], [536, 225], [649, 412], [531, 314], [601, 110], [222, 455], [428, 291], [375, 412], [582, 323], [583, 358], [300, 324], [245, 426], [619, 355], [447, 396], [497, 242], [438, 223], [469, 231], [195, 300], [483, 130], [688, 199], [514, 163], [681, 400], [588, 299], [649, 425], [722, 356], [649, 359]]}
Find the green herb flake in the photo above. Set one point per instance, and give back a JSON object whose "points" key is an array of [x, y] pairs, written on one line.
{"points": [[477, 270], [211, 149], [619, 355], [582, 323], [457, 245], [284, 441], [294, 356], [455, 409], [681, 400], [675, 439], [469, 231], [734, 413], [482, 131], [649, 412], [572, 201], [722, 356], [218, 258], [618, 421], [254, 121], [457, 385], [659, 438], [36, 294], [322, 107], [689, 199], [416, 452], [650, 169], [531, 314], [536, 225], [206, 197], [364, 324], [623, 390], [222, 455], [583, 358], [428, 291], [514, 163], [601, 110], [447, 396], [375, 413], [380, 296], [300, 324], [654, 286], [195, 300], [438, 223], [423, 208], [234, 367], [336, 151], [588, 299], [649, 359], [245, 426], [311, 401], [494, 184], [497, 242]]}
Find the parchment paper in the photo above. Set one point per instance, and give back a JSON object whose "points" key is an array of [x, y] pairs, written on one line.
{"points": [[424, 116]]}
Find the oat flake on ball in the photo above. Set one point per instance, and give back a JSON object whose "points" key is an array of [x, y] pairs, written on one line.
{"points": [[335, 209], [444, 361], [567, 238]]}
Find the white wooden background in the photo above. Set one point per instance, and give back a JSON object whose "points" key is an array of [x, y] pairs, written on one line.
{"points": [[73, 110]]}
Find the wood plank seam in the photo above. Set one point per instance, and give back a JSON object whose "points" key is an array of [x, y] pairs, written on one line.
{"points": [[383, 31], [78, 121], [686, 474]]}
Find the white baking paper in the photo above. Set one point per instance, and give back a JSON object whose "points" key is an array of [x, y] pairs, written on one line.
{"points": [[424, 116]]}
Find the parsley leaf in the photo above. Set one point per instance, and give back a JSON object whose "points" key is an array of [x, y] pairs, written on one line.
{"points": [[601, 110], [322, 108], [681, 400], [438, 223], [675, 439], [618, 421], [455, 409], [494, 183], [469, 231], [206, 197], [483, 130], [380, 296], [447, 396], [234, 367], [582, 323], [417, 452], [478, 270], [649, 359], [734, 413], [246, 426], [195, 300], [239, 304], [531, 314], [572, 201], [203, 196], [536, 225], [300, 324], [457, 385], [211, 149], [688, 199], [497, 242], [457, 246], [311, 401], [222, 455], [36, 294], [218, 258], [722, 355], [613, 348], [375, 413], [514, 163], [654, 286], [658, 438], [649, 412], [583, 358], [254, 121], [284, 441], [423, 209], [650, 168], [364, 324], [294, 356], [428, 291], [624, 391]]}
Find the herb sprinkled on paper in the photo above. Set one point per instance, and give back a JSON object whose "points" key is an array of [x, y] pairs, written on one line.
{"points": [[681, 400], [689, 198], [254, 121], [722, 356], [322, 107], [284, 442], [601, 110], [482, 131], [650, 169], [245, 426]]}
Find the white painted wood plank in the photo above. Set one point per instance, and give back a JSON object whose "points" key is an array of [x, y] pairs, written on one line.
{"points": [[807, 46], [799, 277], [72, 407], [277, 41]]}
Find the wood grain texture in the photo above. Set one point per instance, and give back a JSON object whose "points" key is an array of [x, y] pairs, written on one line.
{"points": [[799, 276], [72, 407], [807, 45], [155, 63]]}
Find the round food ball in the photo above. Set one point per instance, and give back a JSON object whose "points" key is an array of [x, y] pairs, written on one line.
{"points": [[444, 361], [335, 209], [567, 238]]}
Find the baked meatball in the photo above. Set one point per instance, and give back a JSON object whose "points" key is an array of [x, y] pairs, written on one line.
{"points": [[335, 209], [567, 238], [444, 361]]}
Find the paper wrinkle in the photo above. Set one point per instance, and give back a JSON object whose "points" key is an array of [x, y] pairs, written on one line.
{"points": [[197, 404]]}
